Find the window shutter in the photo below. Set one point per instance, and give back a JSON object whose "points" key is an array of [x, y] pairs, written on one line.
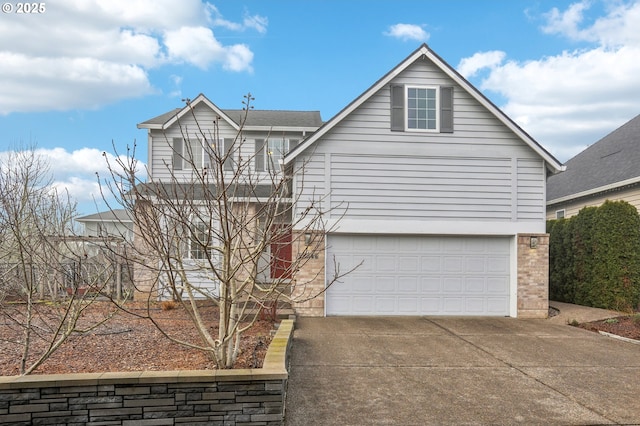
{"points": [[260, 155], [446, 109], [227, 145], [397, 107], [177, 154]]}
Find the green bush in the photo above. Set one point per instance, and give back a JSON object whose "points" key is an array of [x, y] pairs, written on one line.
{"points": [[594, 257]]}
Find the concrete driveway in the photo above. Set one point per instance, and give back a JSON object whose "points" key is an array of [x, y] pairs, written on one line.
{"points": [[456, 371]]}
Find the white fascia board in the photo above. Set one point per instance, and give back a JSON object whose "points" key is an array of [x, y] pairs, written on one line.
{"points": [[194, 103], [594, 191], [150, 126], [355, 104], [455, 76], [424, 227], [424, 50], [278, 129]]}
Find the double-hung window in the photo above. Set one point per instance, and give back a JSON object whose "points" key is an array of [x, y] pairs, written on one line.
{"points": [[421, 108], [195, 153], [199, 240], [276, 149], [269, 152]]}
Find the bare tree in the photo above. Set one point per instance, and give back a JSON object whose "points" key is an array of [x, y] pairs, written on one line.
{"points": [[218, 231], [35, 253]]}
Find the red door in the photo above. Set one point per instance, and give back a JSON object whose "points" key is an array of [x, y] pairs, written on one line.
{"points": [[281, 252]]}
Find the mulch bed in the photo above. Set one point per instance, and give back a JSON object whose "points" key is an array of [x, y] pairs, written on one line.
{"points": [[625, 326], [128, 343]]}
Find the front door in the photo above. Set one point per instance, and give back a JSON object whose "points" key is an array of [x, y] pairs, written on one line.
{"points": [[281, 252]]}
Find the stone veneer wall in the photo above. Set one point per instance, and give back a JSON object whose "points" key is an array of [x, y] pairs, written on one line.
{"points": [[229, 397], [533, 276], [310, 278]]}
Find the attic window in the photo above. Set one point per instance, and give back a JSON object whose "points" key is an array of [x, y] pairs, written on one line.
{"points": [[421, 108]]}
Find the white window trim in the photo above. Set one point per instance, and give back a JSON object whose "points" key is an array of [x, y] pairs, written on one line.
{"points": [[406, 108], [204, 155], [560, 212], [267, 153]]}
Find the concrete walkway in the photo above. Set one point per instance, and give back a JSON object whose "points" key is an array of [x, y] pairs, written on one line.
{"points": [[568, 313], [459, 371]]}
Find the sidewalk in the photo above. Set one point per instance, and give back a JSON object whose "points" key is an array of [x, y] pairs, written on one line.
{"points": [[569, 313]]}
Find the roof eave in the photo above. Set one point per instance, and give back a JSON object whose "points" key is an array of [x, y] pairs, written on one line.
{"points": [[187, 109], [280, 128], [552, 163], [594, 191]]}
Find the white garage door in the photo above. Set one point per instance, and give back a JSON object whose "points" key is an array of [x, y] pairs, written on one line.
{"points": [[417, 275]]}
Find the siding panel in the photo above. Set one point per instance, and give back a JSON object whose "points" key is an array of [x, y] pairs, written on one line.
{"points": [[531, 189], [378, 187], [481, 172]]}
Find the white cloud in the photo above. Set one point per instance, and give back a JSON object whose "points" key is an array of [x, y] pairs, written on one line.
{"points": [[468, 67], [199, 47], [256, 22], [617, 28], [77, 172], [88, 53], [572, 99], [407, 32]]}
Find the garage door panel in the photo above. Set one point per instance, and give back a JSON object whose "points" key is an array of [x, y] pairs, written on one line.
{"points": [[452, 264], [360, 285], [385, 305], [385, 263], [408, 264], [474, 264], [385, 285], [408, 285], [497, 285], [418, 275], [474, 285], [430, 264], [497, 264], [430, 304], [453, 284], [363, 304], [431, 285], [407, 305], [475, 306], [453, 305]]}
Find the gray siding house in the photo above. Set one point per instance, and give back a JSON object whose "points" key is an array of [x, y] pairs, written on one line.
{"points": [[424, 183], [436, 192]]}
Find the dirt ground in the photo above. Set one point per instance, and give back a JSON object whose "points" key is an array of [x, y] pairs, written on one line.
{"points": [[126, 343], [625, 326]]}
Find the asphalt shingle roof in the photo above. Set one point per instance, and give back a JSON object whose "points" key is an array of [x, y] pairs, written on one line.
{"points": [[614, 158], [275, 118]]}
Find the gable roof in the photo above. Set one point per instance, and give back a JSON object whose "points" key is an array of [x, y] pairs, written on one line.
{"points": [[424, 50], [611, 162], [255, 120], [115, 215]]}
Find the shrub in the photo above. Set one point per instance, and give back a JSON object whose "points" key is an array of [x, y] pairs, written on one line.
{"points": [[594, 257]]}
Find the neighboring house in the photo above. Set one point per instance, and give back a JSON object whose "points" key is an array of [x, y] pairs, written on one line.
{"points": [[111, 223], [266, 136], [430, 186], [607, 170], [437, 191]]}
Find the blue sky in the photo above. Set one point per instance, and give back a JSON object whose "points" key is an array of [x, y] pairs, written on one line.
{"points": [[82, 74]]}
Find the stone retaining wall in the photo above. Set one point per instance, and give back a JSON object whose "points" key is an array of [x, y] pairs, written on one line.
{"points": [[212, 397]]}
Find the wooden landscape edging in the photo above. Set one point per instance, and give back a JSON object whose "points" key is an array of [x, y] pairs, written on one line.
{"points": [[244, 396]]}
